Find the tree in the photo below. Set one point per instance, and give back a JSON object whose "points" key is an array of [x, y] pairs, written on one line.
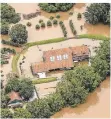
{"points": [[23, 86], [12, 85], [58, 16], [4, 28], [72, 94], [5, 113], [27, 88], [37, 26], [8, 13], [55, 22], [86, 75], [42, 24], [18, 34], [4, 99], [98, 12], [100, 66], [79, 16], [55, 102], [55, 7], [22, 113], [39, 109]]}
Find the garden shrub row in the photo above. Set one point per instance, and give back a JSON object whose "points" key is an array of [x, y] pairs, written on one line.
{"points": [[10, 43], [96, 37], [5, 50], [63, 28], [44, 80], [72, 27]]}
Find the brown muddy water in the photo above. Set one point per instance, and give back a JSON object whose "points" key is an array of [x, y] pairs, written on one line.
{"points": [[97, 105]]}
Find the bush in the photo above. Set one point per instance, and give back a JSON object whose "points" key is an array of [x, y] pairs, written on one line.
{"points": [[57, 16], [4, 62], [40, 21], [11, 43], [29, 24], [49, 23], [51, 18], [43, 25], [44, 80], [96, 37], [70, 13], [79, 16], [6, 113], [37, 26], [5, 50], [55, 22], [61, 22]]}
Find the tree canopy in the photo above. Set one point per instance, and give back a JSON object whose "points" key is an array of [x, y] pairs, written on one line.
{"points": [[98, 12], [18, 34], [5, 113], [23, 86], [56, 7], [8, 13], [4, 27]]}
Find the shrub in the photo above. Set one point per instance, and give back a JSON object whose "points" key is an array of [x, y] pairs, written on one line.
{"points": [[55, 22], [44, 80], [6, 113], [70, 13], [37, 26], [42, 25], [11, 43], [40, 21], [79, 16], [51, 18], [57, 16], [49, 23], [29, 24], [61, 22]]}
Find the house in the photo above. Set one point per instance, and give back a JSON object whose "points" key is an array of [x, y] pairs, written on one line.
{"points": [[15, 100], [59, 59]]}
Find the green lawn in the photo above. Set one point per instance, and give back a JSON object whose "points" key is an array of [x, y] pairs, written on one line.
{"points": [[96, 37], [44, 80]]}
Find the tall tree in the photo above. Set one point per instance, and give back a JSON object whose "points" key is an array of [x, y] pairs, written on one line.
{"points": [[98, 12], [18, 34], [84, 74], [8, 13]]}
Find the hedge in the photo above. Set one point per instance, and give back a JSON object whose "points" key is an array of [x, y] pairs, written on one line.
{"points": [[44, 80], [54, 40], [96, 37]]}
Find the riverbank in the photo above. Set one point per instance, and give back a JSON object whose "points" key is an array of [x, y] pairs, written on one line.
{"points": [[97, 105]]}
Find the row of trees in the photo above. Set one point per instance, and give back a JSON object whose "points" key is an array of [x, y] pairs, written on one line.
{"points": [[56, 7], [97, 13], [72, 27], [63, 28]]}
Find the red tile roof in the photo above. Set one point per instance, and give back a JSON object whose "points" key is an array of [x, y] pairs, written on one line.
{"points": [[63, 63], [14, 95]]}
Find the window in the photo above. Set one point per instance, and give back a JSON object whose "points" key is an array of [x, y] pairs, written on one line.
{"points": [[52, 58], [59, 57], [65, 56]]}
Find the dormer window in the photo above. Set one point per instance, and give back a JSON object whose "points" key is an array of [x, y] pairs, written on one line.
{"points": [[52, 58]]}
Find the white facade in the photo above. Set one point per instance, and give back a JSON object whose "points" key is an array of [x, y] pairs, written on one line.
{"points": [[42, 75]]}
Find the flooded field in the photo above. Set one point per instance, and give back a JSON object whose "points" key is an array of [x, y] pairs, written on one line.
{"points": [[97, 105]]}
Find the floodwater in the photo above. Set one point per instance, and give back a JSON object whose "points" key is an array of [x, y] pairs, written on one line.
{"points": [[97, 105]]}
